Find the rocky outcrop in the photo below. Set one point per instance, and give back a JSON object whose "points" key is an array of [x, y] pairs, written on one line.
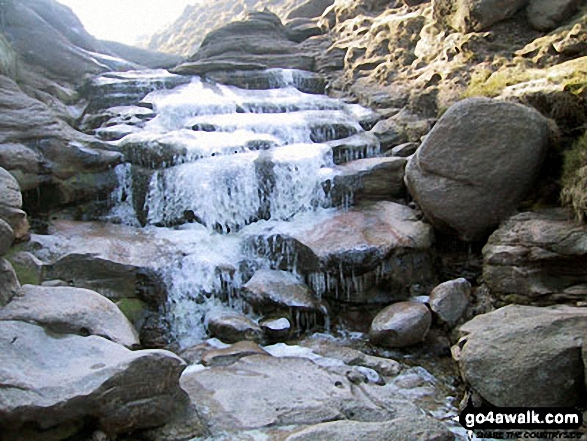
{"points": [[9, 284], [477, 164], [71, 311], [401, 324], [53, 383], [537, 258], [11, 209], [257, 43], [374, 254], [525, 356]]}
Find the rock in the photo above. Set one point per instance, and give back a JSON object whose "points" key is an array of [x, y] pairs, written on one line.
{"points": [[6, 237], [525, 356], [51, 381], [257, 43], [9, 285], [467, 176], [405, 150], [142, 57], [23, 163], [370, 179], [546, 15], [403, 428], [232, 327], [310, 9], [269, 291], [308, 82], [71, 311], [449, 300], [383, 366], [372, 254], [237, 397], [300, 29], [230, 355], [401, 324], [11, 204], [276, 329], [475, 15], [537, 258], [115, 260]]}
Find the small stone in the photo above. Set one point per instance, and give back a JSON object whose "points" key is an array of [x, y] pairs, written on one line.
{"points": [[449, 300], [401, 324], [275, 330], [232, 327]]}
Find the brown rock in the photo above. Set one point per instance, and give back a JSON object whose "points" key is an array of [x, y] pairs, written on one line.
{"points": [[401, 324]]}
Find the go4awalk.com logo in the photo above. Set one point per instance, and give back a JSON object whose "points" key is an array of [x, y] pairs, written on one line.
{"points": [[520, 423]]}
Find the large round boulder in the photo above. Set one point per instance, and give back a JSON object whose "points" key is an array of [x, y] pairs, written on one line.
{"points": [[477, 164], [401, 324]]}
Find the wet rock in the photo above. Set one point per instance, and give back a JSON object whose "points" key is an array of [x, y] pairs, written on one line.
{"points": [[71, 311], [231, 326], [270, 290], [358, 146], [308, 82], [276, 329], [6, 237], [256, 43], [401, 324], [449, 300], [546, 15], [537, 258], [230, 355], [9, 284], [121, 390], [525, 356], [365, 255], [475, 15], [370, 179], [465, 176]]}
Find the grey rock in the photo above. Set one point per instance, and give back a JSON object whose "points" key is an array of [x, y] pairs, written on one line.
{"points": [[6, 237], [449, 300], [475, 15], [525, 355], [417, 427], [405, 150], [256, 43], [537, 258], [23, 163], [276, 329], [270, 290], [71, 311], [230, 355], [546, 15], [310, 9], [401, 324], [9, 284], [232, 327], [477, 164], [50, 380], [370, 179]]}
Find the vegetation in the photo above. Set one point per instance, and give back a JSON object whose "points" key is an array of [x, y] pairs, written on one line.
{"points": [[574, 179], [491, 84]]}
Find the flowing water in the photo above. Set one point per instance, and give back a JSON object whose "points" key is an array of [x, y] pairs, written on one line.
{"points": [[220, 164]]}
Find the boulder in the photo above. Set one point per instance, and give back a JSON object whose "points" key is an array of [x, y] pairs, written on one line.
{"points": [[231, 326], [537, 258], [401, 324], [371, 254], [405, 150], [525, 356], [51, 381], [449, 300], [9, 284], [6, 237], [71, 311], [475, 15], [276, 329], [24, 163], [256, 43], [270, 290], [546, 15], [477, 164]]}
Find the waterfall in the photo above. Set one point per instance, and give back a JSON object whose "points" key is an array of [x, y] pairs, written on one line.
{"points": [[218, 164]]}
